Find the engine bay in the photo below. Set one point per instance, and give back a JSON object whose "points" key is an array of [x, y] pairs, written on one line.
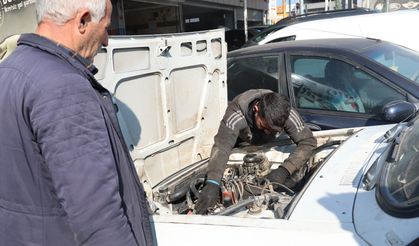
{"points": [[244, 190]]}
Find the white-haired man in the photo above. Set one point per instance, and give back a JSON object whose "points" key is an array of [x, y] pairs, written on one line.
{"points": [[66, 176]]}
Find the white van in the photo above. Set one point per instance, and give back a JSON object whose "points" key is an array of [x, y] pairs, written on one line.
{"points": [[171, 93], [397, 27]]}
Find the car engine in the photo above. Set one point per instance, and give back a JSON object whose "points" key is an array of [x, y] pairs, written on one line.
{"points": [[244, 190]]}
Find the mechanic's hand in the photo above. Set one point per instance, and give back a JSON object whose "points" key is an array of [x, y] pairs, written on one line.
{"points": [[278, 176], [208, 197]]}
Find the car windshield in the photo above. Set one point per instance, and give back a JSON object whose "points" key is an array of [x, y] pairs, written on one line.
{"points": [[265, 33], [399, 59], [400, 181]]}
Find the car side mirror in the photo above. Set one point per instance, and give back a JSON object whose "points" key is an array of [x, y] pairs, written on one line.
{"points": [[397, 111]]}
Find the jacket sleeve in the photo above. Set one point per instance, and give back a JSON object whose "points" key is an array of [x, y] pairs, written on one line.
{"points": [[70, 129], [224, 141], [302, 137]]}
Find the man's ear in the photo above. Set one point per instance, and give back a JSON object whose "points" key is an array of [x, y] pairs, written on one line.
{"points": [[256, 107], [83, 19]]}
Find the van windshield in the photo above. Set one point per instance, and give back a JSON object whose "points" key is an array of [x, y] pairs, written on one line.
{"points": [[399, 183]]}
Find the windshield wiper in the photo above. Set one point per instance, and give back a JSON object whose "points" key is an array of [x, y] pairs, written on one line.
{"points": [[370, 178], [393, 137], [393, 155]]}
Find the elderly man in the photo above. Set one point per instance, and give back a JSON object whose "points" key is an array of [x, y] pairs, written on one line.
{"points": [[66, 177]]}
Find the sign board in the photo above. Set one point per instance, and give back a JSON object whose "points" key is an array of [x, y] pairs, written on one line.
{"points": [[17, 16]]}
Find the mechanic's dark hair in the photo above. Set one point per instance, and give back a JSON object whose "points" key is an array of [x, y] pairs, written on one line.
{"points": [[275, 108]]}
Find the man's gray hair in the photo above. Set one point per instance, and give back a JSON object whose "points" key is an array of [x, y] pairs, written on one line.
{"points": [[61, 11]]}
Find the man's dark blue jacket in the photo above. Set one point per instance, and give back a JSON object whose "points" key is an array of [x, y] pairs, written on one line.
{"points": [[66, 176]]}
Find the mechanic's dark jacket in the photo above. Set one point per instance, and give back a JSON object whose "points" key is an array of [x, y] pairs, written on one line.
{"points": [[66, 176], [238, 122]]}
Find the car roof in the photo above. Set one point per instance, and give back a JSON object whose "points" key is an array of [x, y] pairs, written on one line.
{"points": [[323, 15], [353, 45], [389, 26], [312, 16]]}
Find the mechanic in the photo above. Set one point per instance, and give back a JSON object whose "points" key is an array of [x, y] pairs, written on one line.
{"points": [[66, 175], [256, 116]]}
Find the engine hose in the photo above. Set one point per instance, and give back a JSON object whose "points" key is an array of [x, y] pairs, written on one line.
{"points": [[242, 204], [192, 186], [177, 195], [255, 191]]}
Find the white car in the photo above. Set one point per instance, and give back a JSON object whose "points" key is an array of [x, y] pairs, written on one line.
{"points": [[396, 27], [362, 187]]}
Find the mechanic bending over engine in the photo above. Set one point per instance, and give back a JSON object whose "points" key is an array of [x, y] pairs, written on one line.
{"points": [[256, 116]]}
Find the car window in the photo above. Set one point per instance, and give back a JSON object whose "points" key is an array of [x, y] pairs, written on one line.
{"points": [[282, 39], [252, 73], [330, 84], [399, 59], [265, 33]]}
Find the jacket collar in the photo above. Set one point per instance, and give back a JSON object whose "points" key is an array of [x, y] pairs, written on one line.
{"points": [[86, 66]]}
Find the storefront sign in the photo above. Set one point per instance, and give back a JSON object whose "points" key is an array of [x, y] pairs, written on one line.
{"points": [[16, 16]]}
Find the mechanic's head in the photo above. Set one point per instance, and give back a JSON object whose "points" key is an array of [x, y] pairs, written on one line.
{"points": [[271, 112], [78, 25]]}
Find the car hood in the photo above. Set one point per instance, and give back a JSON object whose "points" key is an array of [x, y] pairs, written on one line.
{"points": [[170, 92], [322, 212], [332, 192]]}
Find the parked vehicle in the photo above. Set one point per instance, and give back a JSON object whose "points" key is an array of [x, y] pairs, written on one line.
{"points": [[363, 190], [393, 5], [291, 20], [394, 27], [236, 38], [334, 83], [171, 92]]}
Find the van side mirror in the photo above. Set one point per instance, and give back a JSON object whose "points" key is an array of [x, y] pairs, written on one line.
{"points": [[397, 111]]}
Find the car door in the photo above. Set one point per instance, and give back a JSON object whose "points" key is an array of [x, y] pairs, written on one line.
{"points": [[334, 92]]}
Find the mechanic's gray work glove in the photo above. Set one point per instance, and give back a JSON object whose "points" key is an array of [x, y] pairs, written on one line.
{"points": [[208, 197], [278, 176]]}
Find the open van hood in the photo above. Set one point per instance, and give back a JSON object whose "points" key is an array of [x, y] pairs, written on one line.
{"points": [[170, 92]]}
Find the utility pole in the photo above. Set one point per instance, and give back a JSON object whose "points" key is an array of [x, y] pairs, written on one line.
{"points": [[272, 11], [245, 19], [284, 8], [302, 7], [289, 7]]}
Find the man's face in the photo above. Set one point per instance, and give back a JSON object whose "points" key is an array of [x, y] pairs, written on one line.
{"points": [[262, 124], [96, 35]]}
